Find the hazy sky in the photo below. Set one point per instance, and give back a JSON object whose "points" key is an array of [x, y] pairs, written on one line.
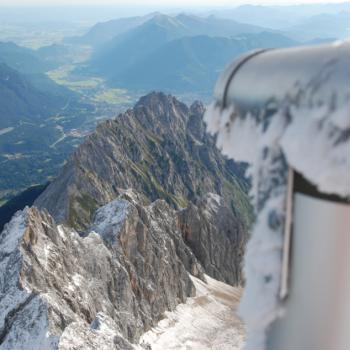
{"points": [[162, 3]]}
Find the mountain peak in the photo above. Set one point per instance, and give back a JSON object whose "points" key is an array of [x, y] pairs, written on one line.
{"points": [[197, 107], [166, 23], [162, 112], [161, 109], [156, 98], [159, 148], [162, 18], [185, 16]]}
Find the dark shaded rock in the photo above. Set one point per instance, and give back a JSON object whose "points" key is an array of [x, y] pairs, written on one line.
{"points": [[216, 238]]}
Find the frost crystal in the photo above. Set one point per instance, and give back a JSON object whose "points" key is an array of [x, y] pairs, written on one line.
{"points": [[312, 138]]}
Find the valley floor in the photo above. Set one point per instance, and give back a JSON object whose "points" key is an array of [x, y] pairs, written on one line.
{"points": [[207, 321]]}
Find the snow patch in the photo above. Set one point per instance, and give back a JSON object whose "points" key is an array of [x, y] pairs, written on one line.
{"points": [[61, 232], [102, 334], [206, 321], [109, 219], [213, 202], [29, 329]]}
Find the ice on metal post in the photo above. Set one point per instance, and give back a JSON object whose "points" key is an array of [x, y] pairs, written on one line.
{"points": [[287, 114]]}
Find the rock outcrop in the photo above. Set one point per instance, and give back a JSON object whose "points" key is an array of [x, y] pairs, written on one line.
{"points": [[216, 238], [160, 149], [117, 236], [59, 290]]}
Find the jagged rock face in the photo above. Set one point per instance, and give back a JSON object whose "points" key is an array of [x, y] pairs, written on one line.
{"points": [[160, 149], [59, 290], [216, 238], [103, 334], [131, 260]]}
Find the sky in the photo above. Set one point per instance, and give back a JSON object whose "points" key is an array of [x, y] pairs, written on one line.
{"points": [[170, 3]]}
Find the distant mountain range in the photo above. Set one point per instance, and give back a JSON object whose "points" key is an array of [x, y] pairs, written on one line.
{"points": [[105, 31], [22, 101], [34, 62], [266, 16], [322, 26], [184, 24], [130, 47], [176, 54], [26, 92], [186, 53], [191, 63], [306, 23], [32, 65], [22, 59]]}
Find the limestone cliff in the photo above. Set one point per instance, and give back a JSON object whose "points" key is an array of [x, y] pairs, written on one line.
{"points": [[159, 148], [145, 204], [121, 277]]}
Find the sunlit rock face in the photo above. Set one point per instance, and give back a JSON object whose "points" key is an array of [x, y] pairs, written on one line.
{"points": [[108, 287], [146, 204], [160, 149]]}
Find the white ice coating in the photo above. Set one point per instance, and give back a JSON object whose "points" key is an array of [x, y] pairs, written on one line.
{"points": [[316, 143], [324, 144]]}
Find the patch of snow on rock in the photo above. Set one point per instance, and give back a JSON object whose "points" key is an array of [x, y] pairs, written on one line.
{"points": [[110, 219], [23, 315], [307, 131], [207, 321], [102, 334]]}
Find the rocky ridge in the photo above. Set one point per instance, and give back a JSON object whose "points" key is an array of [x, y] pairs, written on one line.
{"points": [[60, 290], [159, 148], [131, 267], [216, 238], [126, 228]]}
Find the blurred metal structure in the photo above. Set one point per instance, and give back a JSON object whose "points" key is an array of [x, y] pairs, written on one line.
{"points": [[317, 307], [315, 283], [268, 75]]}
